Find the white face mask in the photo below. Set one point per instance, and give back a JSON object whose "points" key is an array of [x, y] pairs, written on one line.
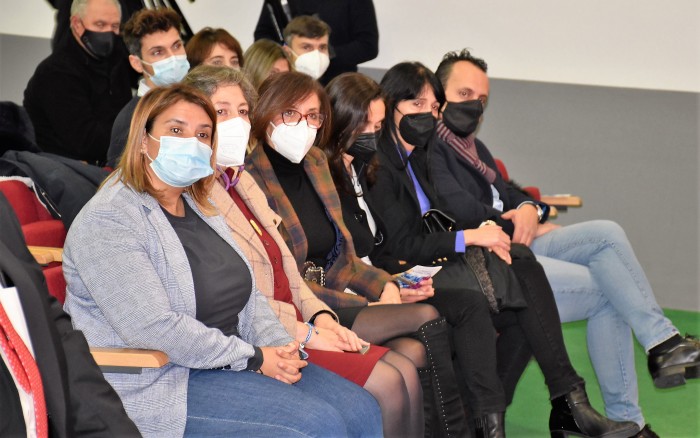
{"points": [[313, 63], [232, 138], [293, 142]]}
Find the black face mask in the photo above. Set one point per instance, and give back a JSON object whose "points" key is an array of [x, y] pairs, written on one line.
{"points": [[417, 129], [463, 118], [98, 44], [364, 147]]}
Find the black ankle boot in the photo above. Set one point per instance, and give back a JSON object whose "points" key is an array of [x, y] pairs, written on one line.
{"points": [[573, 415], [490, 426], [672, 366], [448, 404]]}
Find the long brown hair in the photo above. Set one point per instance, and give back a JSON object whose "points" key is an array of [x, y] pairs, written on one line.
{"points": [[350, 95], [281, 92], [132, 165]]}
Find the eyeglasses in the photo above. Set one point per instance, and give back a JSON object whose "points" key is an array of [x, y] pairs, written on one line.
{"points": [[293, 117]]}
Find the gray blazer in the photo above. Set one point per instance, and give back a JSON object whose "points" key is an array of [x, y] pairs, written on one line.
{"points": [[130, 285]]}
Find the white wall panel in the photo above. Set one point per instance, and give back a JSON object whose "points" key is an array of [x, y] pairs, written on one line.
{"points": [[622, 43]]}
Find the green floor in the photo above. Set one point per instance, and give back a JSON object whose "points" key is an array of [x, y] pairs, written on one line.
{"points": [[671, 412]]}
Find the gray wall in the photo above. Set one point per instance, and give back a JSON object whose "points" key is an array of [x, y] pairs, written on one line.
{"points": [[19, 56], [631, 154]]}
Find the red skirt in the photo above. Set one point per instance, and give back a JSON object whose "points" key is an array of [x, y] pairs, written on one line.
{"points": [[353, 366]]}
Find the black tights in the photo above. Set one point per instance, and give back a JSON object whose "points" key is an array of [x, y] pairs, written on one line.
{"points": [[395, 373]]}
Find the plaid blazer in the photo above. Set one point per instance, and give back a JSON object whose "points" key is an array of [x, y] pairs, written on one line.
{"points": [[348, 271], [130, 286], [253, 249]]}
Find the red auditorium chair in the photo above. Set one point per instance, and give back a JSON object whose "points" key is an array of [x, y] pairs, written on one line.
{"points": [[558, 202], [39, 229]]}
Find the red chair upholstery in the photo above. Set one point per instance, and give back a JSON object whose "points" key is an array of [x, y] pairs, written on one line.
{"points": [[38, 226], [55, 281], [534, 192], [39, 229]]}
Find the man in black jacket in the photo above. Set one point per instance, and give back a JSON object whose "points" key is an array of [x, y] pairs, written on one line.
{"points": [[591, 266], [76, 93], [354, 36], [78, 400]]}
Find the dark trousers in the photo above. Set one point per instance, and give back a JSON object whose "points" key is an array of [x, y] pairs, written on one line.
{"points": [[474, 337], [540, 325]]}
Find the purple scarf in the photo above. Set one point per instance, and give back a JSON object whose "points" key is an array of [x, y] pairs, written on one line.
{"points": [[465, 147]]}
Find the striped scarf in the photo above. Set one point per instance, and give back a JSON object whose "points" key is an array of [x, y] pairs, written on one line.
{"points": [[465, 147]]}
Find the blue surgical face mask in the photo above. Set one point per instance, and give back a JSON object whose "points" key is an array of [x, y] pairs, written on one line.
{"points": [[169, 71], [181, 162]]}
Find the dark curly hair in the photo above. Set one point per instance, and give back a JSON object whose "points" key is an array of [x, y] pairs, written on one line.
{"points": [[146, 22], [445, 68]]}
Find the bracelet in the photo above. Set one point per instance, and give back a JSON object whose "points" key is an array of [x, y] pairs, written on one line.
{"points": [[312, 328], [487, 222]]}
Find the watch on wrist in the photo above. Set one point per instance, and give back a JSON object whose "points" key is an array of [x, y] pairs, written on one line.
{"points": [[540, 212]]}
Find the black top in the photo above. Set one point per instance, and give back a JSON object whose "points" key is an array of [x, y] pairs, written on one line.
{"points": [[73, 99], [467, 193], [355, 218], [319, 230], [394, 197], [12, 419], [120, 132], [354, 37], [222, 281]]}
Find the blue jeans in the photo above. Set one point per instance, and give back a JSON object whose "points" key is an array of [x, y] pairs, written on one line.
{"points": [[242, 403], [596, 276]]}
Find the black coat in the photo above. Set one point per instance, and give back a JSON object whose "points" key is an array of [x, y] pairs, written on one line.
{"points": [[466, 192], [79, 400], [73, 99], [354, 37], [394, 197]]}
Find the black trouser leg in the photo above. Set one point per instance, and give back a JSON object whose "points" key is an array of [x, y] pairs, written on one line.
{"points": [[542, 327], [467, 313], [514, 354]]}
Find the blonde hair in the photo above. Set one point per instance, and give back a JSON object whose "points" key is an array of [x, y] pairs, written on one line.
{"points": [[259, 59], [131, 169]]}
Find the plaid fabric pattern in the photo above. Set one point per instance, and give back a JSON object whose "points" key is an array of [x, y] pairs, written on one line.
{"points": [[249, 242], [348, 271]]}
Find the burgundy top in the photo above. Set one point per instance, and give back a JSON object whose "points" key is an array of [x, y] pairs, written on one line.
{"points": [[282, 291]]}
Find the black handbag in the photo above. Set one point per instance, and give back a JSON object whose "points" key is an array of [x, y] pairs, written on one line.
{"points": [[478, 269], [436, 221]]}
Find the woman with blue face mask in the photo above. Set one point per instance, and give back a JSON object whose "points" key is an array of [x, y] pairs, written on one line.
{"points": [[149, 263]]}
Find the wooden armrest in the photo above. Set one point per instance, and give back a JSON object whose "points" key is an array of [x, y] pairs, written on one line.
{"points": [[553, 212], [562, 200], [128, 357], [46, 254]]}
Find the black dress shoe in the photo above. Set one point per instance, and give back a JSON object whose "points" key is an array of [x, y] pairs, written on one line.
{"points": [[646, 432], [672, 367]]}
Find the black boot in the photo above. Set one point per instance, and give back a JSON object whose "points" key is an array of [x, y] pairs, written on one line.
{"points": [[573, 415], [429, 408], [673, 365], [490, 426], [448, 404]]}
